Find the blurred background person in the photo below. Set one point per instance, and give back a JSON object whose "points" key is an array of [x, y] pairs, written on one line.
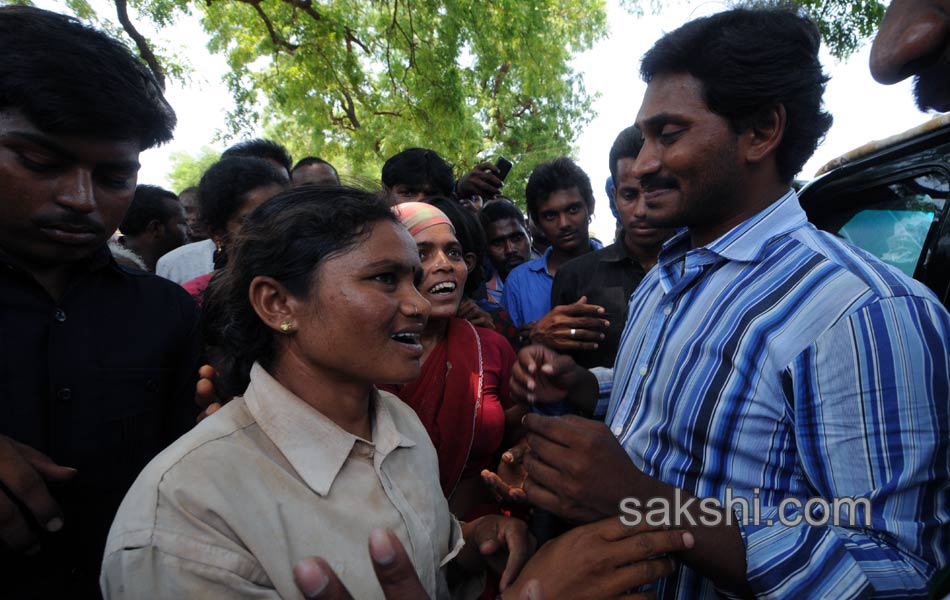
{"points": [[154, 225]]}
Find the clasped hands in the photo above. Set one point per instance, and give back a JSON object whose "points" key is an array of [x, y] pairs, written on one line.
{"points": [[570, 466]]}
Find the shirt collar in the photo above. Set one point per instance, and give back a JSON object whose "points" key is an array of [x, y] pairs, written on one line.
{"points": [[745, 242], [541, 263], [315, 446], [617, 252]]}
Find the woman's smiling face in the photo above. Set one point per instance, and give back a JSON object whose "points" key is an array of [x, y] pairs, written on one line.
{"points": [[444, 269]]}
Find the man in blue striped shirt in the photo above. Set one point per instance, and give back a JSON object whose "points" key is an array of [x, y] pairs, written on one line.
{"points": [[767, 370]]}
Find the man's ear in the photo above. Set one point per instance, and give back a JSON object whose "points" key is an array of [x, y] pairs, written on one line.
{"points": [[273, 304], [156, 229], [765, 133], [470, 261]]}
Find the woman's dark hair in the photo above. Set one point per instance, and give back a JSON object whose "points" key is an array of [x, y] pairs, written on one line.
{"points": [[749, 60], [225, 184], [469, 233], [70, 79], [287, 238], [559, 174]]}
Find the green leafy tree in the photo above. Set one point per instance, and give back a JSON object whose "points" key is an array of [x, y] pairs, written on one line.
{"points": [[355, 81], [187, 169]]}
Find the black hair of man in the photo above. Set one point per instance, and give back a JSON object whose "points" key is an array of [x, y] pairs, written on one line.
{"points": [[559, 174], [311, 160], [225, 183], [49, 60], [628, 144], [498, 210], [416, 167], [261, 148], [749, 60], [149, 204]]}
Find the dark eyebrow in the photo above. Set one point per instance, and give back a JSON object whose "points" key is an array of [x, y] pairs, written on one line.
{"points": [[388, 263], [48, 144], [656, 122]]}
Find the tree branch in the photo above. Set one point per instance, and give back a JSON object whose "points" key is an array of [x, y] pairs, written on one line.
{"points": [[306, 6], [278, 41], [122, 11]]}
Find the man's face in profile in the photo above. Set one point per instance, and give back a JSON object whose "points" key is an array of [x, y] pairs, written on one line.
{"points": [[63, 195], [914, 40]]}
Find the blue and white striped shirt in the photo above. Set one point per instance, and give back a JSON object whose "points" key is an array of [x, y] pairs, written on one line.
{"points": [[783, 360]]}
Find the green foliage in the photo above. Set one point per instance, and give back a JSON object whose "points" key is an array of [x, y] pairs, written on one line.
{"points": [[845, 24], [356, 82], [187, 169]]}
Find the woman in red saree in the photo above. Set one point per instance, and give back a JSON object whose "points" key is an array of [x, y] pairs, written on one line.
{"points": [[461, 396]]}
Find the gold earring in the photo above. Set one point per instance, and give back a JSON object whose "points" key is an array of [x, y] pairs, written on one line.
{"points": [[285, 326]]}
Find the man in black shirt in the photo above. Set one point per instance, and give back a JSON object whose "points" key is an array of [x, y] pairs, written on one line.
{"points": [[606, 278], [98, 361]]}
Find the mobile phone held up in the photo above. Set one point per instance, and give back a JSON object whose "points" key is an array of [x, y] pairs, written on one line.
{"points": [[503, 165]]}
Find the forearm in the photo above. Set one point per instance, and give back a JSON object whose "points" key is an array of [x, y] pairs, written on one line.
{"points": [[719, 552]]}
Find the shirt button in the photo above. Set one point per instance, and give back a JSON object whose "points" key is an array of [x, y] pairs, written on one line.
{"points": [[64, 393], [643, 370], [667, 310], [59, 315], [618, 430]]}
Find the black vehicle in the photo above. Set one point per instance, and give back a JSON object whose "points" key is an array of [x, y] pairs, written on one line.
{"points": [[890, 198]]}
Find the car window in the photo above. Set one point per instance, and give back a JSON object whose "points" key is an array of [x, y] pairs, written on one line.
{"points": [[891, 221]]}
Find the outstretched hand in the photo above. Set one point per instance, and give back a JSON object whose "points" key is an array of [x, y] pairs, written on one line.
{"points": [[507, 482], [399, 580], [502, 543]]}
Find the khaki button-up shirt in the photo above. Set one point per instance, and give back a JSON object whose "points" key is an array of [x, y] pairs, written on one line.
{"points": [[228, 509]]}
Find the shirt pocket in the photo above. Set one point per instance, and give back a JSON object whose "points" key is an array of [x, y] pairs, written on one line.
{"points": [[130, 406]]}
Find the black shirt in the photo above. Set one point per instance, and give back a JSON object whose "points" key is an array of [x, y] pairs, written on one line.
{"points": [[100, 380], [607, 277]]}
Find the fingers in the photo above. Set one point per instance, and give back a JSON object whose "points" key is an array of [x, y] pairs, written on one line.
{"points": [[644, 572], [44, 465], [519, 550], [646, 544], [394, 570], [495, 484], [21, 472], [581, 308], [317, 581], [206, 372], [207, 412], [554, 429], [531, 591], [204, 392], [513, 456]]}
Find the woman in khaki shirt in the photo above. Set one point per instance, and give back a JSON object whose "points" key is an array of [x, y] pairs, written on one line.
{"points": [[317, 302]]}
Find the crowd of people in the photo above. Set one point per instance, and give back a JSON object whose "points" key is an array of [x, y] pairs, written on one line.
{"points": [[232, 391]]}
